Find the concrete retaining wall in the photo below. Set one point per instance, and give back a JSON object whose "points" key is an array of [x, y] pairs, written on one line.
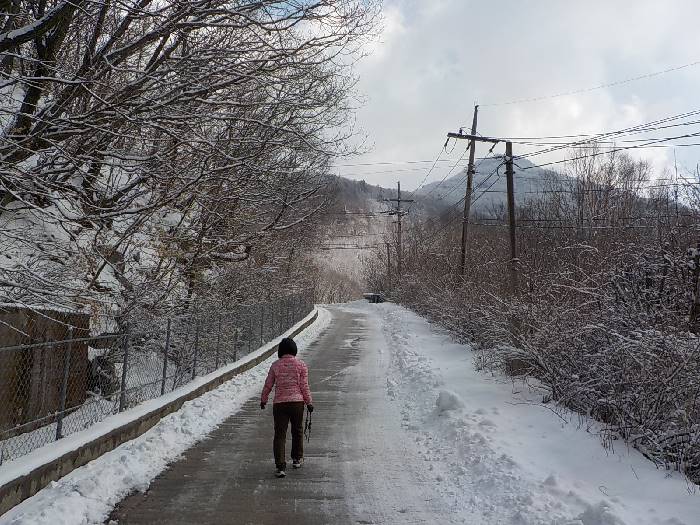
{"points": [[26, 486]]}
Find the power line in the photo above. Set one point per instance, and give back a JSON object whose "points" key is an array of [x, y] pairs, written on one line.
{"points": [[383, 172], [640, 128], [608, 152], [431, 170], [571, 227], [481, 160], [597, 190], [363, 173], [447, 175], [620, 218], [612, 144], [390, 163], [450, 209], [593, 88]]}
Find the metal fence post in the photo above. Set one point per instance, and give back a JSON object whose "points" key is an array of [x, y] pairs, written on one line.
{"points": [[125, 366], [262, 319], [64, 384], [165, 358], [218, 346], [250, 330], [279, 318], [287, 305], [196, 348]]}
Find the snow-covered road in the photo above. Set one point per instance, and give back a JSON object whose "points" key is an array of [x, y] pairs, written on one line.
{"points": [[406, 431]]}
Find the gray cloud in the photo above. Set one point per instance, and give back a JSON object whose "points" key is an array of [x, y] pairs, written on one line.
{"points": [[437, 57]]}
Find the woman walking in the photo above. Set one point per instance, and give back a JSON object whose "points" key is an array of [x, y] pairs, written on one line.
{"points": [[290, 377]]}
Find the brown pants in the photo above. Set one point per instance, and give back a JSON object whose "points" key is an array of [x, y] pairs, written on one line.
{"points": [[283, 413]]}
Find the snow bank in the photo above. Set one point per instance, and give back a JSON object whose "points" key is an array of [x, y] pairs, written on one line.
{"points": [[448, 402], [498, 456], [88, 494]]}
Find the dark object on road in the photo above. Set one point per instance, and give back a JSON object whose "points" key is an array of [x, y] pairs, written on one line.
{"points": [[307, 423], [374, 297]]}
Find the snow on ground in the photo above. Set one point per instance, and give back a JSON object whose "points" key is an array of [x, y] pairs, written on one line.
{"points": [[497, 457], [88, 494], [493, 455]]}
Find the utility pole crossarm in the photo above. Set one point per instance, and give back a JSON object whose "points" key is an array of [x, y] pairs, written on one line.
{"points": [[475, 138]]}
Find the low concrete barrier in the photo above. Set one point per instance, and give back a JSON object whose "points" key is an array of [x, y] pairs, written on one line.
{"points": [[25, 486]]}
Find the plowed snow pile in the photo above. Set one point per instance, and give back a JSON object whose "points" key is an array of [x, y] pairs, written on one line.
{"points": [[499, 456]]}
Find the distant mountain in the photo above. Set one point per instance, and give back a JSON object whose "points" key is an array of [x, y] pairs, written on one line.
{"points": [[357, 195], [489, 186]]}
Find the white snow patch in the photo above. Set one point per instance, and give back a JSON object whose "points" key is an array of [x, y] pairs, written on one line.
{"points": [[448, 402], [500, 457]]}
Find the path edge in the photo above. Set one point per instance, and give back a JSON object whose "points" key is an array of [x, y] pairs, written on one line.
{"points": [[27, 485]]}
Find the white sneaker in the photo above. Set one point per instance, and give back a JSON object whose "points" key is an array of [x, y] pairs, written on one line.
{"points": [[297, 463], [280, 473]]}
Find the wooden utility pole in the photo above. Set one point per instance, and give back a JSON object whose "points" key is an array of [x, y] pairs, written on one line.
{"points": [[511, 219], [399, 256], [468, 196], [399, 213], [514, 261], [470, 178]]}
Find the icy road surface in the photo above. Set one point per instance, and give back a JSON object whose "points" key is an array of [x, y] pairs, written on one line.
{"points": [[405, 431]]}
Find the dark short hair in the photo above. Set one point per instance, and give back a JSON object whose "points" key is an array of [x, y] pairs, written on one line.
{"points": [[287, 346]]}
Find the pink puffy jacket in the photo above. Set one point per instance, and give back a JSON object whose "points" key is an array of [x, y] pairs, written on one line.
{"points": [[290, 377]]}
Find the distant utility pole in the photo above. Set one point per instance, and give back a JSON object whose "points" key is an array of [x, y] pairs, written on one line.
{"points": [[511, 219], [399, 213], [468, 196]]}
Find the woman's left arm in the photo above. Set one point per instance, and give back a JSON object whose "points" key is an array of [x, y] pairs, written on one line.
{"points": [[269, 383]]}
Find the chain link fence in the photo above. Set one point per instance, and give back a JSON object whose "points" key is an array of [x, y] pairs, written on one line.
{"points": [[61, 379]]}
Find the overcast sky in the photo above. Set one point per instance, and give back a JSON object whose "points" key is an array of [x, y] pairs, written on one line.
{"points": [[436, 58]]}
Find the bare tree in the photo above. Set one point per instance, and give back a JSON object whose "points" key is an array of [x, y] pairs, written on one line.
{"points": [[145, 144]]}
